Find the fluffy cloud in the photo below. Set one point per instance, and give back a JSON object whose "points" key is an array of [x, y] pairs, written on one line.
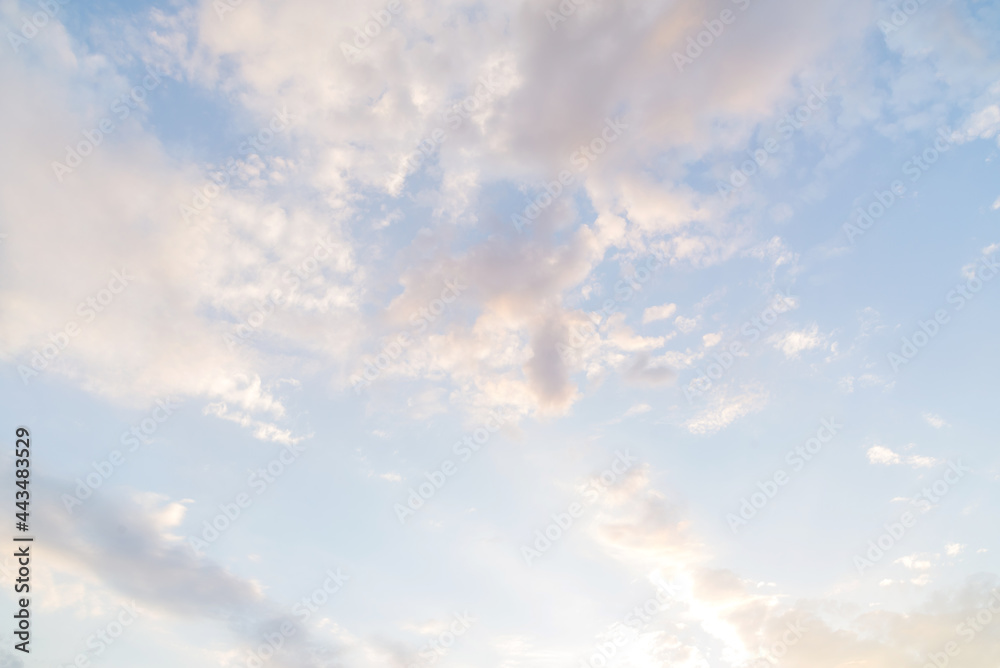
{"points": [[880, 454], [717, 609], [725, 407], [662, 312], [793, 343]]}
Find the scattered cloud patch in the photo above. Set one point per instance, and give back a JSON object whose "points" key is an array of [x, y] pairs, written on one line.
{"points": [[935, 421], [655, 313], [793, 343], [687, 325]]}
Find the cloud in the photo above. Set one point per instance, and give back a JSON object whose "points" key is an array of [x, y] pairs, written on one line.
{"points": [[687, 325], [935, 421], [131, 545], [662, 312], [741, 622], [394, 228], [638, 409], [637, 524], [187, 285], [879, 454], [711, 340], [643, 371], [725, 408], [128, 544], [954, 549], [914, 562], [344, 168], [795, 342]]}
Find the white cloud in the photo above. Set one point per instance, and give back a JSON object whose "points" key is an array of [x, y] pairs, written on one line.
{"points": [[638, 409], [647, 534], [878, 454], [921, 461], [711, 340], [662, 312], [724, 409], [687, 325], [795, 342], [914, 562], [397, 231], [935, 421]]}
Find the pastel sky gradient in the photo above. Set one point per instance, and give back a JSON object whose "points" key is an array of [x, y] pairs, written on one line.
{"points": [[713, 280]]}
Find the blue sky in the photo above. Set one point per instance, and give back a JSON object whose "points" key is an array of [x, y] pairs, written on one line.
{"points": [[429, 432]]}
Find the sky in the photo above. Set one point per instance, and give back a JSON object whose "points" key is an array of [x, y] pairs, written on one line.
{"points": [[503, 334]]}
